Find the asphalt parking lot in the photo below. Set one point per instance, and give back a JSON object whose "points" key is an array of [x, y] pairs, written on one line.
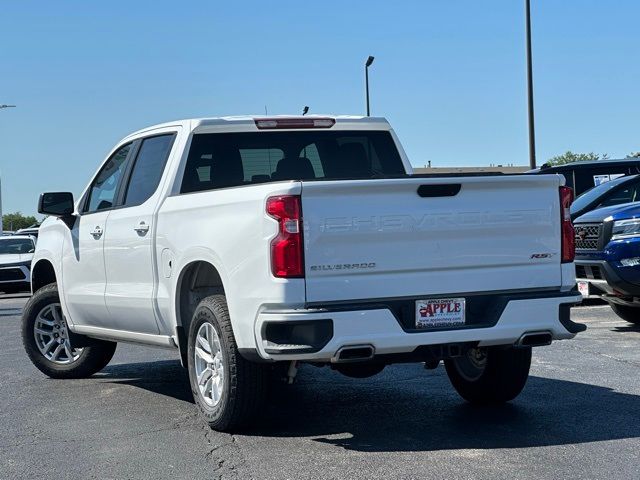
{"points": [[578, 417]]}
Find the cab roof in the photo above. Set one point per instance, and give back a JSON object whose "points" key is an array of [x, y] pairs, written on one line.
{"points": [[341, 122]]}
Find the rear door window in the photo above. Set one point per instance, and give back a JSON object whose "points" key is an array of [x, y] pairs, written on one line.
{"points": [[148, 168]]}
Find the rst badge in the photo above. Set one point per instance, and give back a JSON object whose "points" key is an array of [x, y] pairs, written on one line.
{"points": [[538, 256]]}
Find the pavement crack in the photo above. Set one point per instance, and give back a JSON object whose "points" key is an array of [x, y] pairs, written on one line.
{"points": [[227, 457]]}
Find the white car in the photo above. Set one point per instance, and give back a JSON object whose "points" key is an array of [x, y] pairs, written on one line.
{"points": [[254, 243], [31, 231], [16, 252]]}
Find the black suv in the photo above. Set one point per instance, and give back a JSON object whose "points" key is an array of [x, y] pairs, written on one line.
{"points": [[581, 176]]}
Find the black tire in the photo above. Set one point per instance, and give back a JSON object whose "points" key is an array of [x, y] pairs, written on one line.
{"points": [[502, 378], [92, 359], [627, 312], [244, 383]]}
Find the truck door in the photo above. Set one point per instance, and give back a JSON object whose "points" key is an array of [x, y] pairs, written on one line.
{"points": [[83, 268], [129, 251]]}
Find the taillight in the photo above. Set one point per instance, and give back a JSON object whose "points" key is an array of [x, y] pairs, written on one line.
{"points": [[568, 247], [287, 260]]}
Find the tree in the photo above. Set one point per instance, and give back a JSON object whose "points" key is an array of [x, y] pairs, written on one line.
{"points": [[16, 221], [570, 157], [634, 155]]}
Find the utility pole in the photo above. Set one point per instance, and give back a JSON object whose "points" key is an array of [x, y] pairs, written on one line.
{"points": [[532, 133]]}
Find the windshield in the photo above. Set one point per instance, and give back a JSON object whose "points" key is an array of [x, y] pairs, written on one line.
{"points": [[594, 193], [16, 246]]}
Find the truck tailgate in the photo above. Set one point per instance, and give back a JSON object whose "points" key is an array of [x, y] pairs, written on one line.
{"points": [[387, 238]]}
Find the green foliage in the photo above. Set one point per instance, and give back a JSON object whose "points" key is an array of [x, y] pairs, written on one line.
{"points": [[16, 221], [570, 157]]}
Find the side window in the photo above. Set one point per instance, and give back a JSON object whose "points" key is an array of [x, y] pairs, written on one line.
{"points": [[104, 188], [148, 168]]}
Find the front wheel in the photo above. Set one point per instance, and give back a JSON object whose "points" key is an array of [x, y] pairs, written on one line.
{"points": [[47, 340], [627, 312], [228, 390], [490, 375]]}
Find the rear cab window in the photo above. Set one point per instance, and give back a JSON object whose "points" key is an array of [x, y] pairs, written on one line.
{"points": [[220, 160]]}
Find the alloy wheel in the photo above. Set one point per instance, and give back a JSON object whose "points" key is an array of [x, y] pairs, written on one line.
{"points": [[52, 336], [209, 364]]}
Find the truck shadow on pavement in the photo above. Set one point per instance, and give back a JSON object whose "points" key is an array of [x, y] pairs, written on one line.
{"points": [[164, 377], [627, 328], [405, 409]]}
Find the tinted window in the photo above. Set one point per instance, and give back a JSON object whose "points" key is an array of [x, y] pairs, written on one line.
{"points": [[148, 168], [587, 178], [218, 160], [102, 194], [624, 195], [258, 163]]}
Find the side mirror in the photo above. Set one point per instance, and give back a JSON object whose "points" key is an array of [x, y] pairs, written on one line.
{"points": [[58, 204]]}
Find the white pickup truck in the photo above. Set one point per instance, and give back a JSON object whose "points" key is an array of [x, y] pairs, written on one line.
{"points": [[250, 243]]}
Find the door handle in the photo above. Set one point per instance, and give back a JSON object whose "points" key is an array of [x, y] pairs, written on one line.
{"points": [[97, 232], [142, 228]]}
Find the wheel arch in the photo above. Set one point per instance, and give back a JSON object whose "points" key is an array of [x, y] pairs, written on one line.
{"points": [[43, 273], [198, 279]]}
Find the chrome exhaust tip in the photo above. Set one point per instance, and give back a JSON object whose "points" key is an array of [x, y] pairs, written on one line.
{"points": [[354, 353], [535, 339]]}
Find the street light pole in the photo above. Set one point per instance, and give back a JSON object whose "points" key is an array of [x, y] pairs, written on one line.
{"points": [[532, 133], [1, 215], [366, 80]]}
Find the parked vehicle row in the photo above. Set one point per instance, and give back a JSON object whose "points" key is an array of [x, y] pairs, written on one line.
{"points": [[608, 257], [16, 253], [252, 243], [606, 216]]}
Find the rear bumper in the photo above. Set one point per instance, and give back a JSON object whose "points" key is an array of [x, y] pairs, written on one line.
{"points": [[604, 279], [381, 328]]}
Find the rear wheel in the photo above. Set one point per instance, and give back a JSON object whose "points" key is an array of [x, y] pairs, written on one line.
{"points": [[228, 390], [627, 312], [48, 341], [490, 375]]}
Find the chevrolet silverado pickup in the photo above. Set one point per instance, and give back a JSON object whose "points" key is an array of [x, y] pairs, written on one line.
{"points": [[252, 244]]}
